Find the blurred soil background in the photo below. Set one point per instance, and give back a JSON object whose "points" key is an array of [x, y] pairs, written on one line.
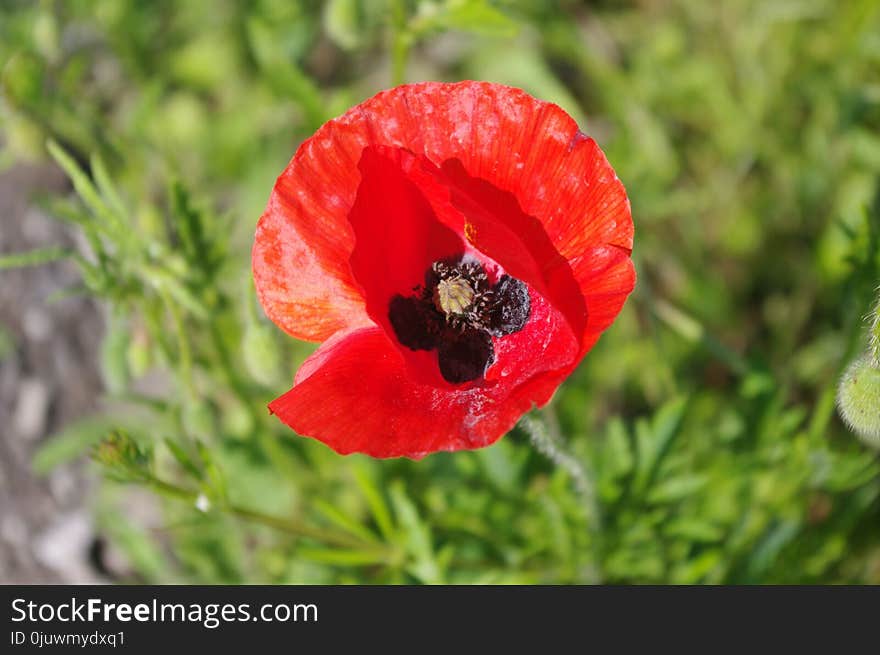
{"points": [[48, 377]]}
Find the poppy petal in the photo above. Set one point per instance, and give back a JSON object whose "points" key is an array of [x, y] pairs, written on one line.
{"points": [[397, 238], [528, 147], [502, 135], [379, 410], [607, 277], [303, 241]]}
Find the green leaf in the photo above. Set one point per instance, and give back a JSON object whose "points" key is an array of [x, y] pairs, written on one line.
{"points": [[215, 482], [350, 525], [114, 363], [183, 459], [87, 191], [677, 488], [617, 451], [653, 442], [72, 442], [342, 22], [342, 556], [283, 74], [502, 467], [189, 226], [376, 502], [476, 16], [165, 282], [73, 213], [106, 186], [694, 530], [34, 257], [418, 536], [696, 570], [771, 544]]}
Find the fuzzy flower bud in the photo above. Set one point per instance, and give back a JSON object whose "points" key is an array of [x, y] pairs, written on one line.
{"points": [[858, 400]]}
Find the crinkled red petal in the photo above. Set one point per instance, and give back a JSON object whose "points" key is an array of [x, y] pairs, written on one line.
{"points": [[397, 238], [358, 397], [529, 148]]}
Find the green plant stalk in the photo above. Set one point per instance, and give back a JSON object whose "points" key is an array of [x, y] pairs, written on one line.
{"points": [[401, 41], [184, 352], [34, 257], [229, 371], [544, 434], [691, 330], [286, 525]]}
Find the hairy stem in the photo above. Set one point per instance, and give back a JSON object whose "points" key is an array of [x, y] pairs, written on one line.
{"points": [[548, 442], [544, 434]]}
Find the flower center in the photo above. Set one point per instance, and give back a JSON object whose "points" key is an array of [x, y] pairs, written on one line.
{"points": [[457, 312], [453, 296]]}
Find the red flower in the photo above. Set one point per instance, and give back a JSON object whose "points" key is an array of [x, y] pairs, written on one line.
{"points": [[458, 248]]}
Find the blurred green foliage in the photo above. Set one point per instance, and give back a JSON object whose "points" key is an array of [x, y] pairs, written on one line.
{"points": [[748, 136]]}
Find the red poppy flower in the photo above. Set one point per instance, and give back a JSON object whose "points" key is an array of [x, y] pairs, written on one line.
{"points": [[458, 248]]}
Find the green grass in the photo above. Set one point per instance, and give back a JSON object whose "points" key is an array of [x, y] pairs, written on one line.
{"points": [[747, 134]]}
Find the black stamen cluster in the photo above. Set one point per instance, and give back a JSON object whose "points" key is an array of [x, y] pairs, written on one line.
{"points": [[463, 340]]}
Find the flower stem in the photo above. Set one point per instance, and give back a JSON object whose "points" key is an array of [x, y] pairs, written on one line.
{"points": [[400, 42], [544, 434], [287, 525], [548, 442]]}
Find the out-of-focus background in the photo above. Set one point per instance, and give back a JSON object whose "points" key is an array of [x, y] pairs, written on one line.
{"points": [[748, 136]]}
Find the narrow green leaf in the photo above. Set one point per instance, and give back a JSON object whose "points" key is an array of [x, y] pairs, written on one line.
{"points": [[283, 74], [771, 544], [347, 523], [183, 459], [617, 452], [342, 22], [654, 441], [501, 467], [378, 507], [216, 481], [33, 257], [86, 189], [71, 442], [342, 556], [476, 16], [693, 529], [114, 365], [418, 535], [165, 282], [106, 187], [676, 488]]}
